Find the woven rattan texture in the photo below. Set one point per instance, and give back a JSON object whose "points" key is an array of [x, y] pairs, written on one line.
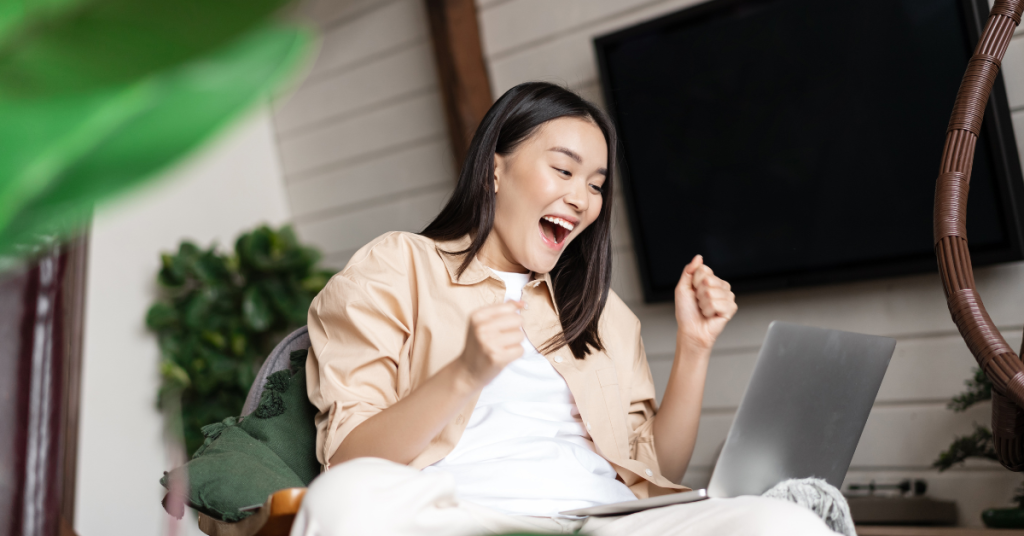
{"points": [[996, 358]]}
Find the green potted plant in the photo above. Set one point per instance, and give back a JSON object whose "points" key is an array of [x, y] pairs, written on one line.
{"points": [[219, 315], [978, 444]]}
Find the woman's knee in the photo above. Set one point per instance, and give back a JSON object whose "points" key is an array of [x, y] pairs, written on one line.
{"points": [[362, 496]]}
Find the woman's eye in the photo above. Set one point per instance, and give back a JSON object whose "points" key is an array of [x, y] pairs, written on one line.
{"points": [[563, 172], [597, 188]]}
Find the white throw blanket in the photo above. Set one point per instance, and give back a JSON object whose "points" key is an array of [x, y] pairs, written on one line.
{"points": [[819, 496]]}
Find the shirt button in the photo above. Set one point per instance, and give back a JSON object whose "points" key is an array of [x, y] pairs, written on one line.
{"points": [[558, 359], [649, 472]]}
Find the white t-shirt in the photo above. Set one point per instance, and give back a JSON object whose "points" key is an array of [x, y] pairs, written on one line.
{"points": [[525, 450]]}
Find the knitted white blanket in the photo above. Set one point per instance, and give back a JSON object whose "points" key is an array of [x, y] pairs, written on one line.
{"points": [[821, 497]]}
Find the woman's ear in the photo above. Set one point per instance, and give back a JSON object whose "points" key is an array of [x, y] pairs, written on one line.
{"points": [[499, 167]]}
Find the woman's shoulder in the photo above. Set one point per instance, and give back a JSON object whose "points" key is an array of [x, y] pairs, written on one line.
{"points": [[390, 262], [393, 251], [617, 317]]}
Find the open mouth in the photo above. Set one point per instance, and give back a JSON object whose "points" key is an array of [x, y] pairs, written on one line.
{"points": [[555, 229]]}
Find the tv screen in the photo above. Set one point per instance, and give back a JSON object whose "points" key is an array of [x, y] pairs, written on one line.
{"points": [[795, 142]]}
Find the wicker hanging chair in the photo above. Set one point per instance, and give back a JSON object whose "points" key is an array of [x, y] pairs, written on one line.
{"points": [[1001, 365]]}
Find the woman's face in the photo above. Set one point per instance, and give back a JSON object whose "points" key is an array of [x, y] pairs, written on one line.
{"points": [[547, 192]]}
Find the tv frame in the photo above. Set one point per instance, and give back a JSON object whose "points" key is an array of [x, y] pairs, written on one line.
{"points": [[997, 126]]}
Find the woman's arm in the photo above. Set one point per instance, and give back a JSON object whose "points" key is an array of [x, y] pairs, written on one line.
{"points": [[403, 430], [704, 305]]}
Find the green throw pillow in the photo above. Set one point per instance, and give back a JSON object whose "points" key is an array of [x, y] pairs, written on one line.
{"points": [[246, 459]]}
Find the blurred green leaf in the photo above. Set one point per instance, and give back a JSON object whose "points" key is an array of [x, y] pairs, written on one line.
{"points": [[210, 268], [70, 46], [215, 338], [197, 308], [256, 309], [238, 343], [14, 13], [161, 316], [979, 389], [85, 147], [174, 374], [976, 445]]}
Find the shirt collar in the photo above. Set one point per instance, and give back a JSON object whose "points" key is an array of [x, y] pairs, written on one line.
{"points": [[476, 271]]}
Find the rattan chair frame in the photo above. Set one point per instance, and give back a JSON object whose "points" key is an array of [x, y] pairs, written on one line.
{"points": [[1002, 366]]}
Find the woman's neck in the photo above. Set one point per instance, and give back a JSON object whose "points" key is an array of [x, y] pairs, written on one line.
{"points": [[496, 256]]}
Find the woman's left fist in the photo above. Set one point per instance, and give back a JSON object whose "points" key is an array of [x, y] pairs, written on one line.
{"points": [[704, 304]]}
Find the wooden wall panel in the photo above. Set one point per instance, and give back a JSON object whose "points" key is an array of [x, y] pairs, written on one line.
{"points": [[1013, 72], [413, 169], [350, 230], [361, 39], [319, 149], [328, 14], [1018, 128], [402, 73]]}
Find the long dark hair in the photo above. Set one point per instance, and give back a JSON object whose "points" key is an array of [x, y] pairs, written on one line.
{"points": [[583, 274]]}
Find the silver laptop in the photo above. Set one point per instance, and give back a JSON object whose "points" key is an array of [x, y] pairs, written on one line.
{"points": [[801, 415]]}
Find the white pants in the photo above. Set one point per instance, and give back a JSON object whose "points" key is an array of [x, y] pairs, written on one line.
{"points": [[374, 497]]}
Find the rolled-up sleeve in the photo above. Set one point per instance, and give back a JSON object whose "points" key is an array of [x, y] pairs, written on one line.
{"points": [[357, 339], [642, 408]]}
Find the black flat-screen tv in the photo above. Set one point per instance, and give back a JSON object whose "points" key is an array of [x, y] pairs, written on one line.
{"points": [[797, 142]]}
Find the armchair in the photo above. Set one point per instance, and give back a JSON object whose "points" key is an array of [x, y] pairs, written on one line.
{"points": [[1002, 366]]}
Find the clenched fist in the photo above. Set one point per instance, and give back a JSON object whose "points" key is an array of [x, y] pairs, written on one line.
{"points": [[704, 304], [493, 341]]}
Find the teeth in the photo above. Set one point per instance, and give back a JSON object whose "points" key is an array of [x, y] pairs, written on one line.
{"points": [[559, 221]]}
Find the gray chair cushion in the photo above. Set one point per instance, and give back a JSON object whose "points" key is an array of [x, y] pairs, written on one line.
{"points": [[279, 359]]}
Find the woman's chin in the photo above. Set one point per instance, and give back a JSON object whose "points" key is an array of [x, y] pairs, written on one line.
{"points": [[543, 261]]}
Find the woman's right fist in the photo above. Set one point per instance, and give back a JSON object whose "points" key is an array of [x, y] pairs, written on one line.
{"points": [[494, 340]]}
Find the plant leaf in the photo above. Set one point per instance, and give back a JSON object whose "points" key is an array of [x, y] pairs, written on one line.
{"points": [[256, 309], [56, 47], [976, 445], [15, 13], [161, 316], [979, 389], [185, 107]]}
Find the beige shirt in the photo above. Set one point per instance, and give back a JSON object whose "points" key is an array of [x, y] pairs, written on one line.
{"points": [[397, 314]]}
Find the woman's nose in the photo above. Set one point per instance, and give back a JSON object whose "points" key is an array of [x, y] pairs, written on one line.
{"points": [[577, 196]]}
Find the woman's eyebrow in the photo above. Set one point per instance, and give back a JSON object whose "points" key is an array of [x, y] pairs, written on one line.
{"points": [[575, 156], [568, 152]]}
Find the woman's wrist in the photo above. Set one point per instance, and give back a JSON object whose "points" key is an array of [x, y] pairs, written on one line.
{"points": [[687, 346], [463, 381]]}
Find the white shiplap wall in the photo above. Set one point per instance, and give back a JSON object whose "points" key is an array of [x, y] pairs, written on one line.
{"points": [[364, 150], [909, 424], [363, 141]]}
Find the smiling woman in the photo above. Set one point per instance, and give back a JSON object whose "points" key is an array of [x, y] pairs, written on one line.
{"points": [[481, 377], [550, 151]]}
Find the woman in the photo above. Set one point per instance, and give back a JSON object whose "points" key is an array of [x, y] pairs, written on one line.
{"points": [[480, 377]]}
